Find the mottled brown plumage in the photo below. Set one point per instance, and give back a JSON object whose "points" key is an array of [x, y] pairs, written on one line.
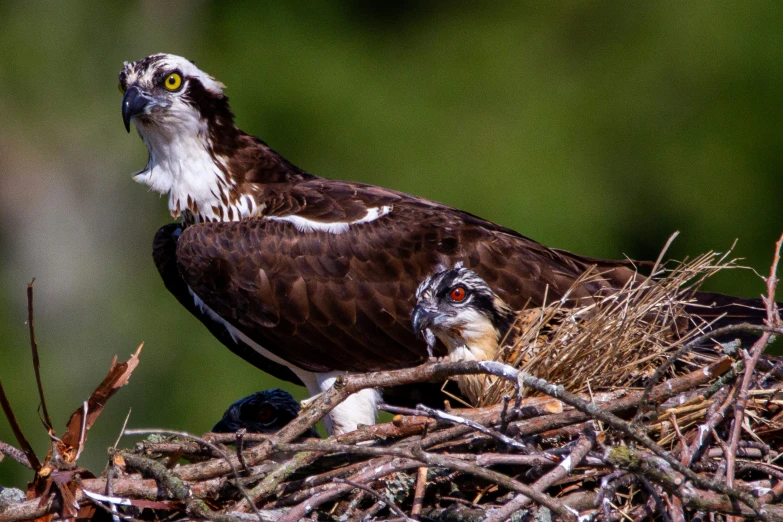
{"points": [[164, 250], [326, 301]]}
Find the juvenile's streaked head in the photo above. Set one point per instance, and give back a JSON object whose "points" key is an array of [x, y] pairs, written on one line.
{"points": [[263, 412], [461, 309], [164, 90]]}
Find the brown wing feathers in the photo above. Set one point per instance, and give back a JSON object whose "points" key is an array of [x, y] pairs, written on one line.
{"points": [[164, 254], [327, 301], [324, 319]]}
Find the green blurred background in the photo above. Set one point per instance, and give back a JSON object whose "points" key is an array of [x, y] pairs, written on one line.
{"points": [[598, 127]]}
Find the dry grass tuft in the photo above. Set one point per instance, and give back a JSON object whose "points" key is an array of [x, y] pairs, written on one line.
{"points": [[618, 341]]}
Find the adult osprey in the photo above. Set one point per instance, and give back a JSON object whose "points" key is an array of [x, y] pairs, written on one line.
{"points": [[306, 277]]}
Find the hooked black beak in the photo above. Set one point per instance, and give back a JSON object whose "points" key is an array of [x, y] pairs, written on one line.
{"points": [[133, 103], [421, 319]]}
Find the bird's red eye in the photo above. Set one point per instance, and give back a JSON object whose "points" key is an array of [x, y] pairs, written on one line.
{"points": [[458, 294], [264, 413]]}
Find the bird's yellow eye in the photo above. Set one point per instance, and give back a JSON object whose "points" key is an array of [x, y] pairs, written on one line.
{"points": [[122, 88], [173, 82], [458, 294]]}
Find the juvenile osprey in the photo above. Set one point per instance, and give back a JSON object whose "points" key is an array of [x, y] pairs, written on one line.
{"points": [[262, 412], [468, 317], [306, 277]]}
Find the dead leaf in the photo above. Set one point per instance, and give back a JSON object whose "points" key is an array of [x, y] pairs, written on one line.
{"points": [[78, 425]]}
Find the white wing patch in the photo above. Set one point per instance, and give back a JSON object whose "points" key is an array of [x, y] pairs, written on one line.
{"points": [[373, 214], [335, 227]]}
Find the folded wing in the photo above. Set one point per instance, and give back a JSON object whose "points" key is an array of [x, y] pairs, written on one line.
{"points": [[341, 298]]}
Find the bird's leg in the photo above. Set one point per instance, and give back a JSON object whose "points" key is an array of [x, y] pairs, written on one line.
{"points": [[357, 409]]}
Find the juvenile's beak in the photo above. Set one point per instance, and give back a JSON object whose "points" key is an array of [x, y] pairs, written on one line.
{"points": [[421, 318], [133, 103]]}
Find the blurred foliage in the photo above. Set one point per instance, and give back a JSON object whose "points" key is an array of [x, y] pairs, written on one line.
{"points": [[599, 127]]}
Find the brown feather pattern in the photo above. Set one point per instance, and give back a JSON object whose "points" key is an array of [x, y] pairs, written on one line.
{"points": [[326, 301], [164, 254]]}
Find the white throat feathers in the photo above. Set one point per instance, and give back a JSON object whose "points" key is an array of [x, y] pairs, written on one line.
{"points": [[182, 162]]}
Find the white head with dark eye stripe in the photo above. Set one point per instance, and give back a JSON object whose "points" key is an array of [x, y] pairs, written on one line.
{"points": [[461, 310], [184, 119], [163, 89], [210, 169]]}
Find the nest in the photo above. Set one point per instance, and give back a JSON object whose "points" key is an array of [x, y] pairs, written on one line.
{"points": [[615, 411]]}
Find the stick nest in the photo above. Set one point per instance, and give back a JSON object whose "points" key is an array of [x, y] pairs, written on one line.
{"points": [[626, 409]]}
